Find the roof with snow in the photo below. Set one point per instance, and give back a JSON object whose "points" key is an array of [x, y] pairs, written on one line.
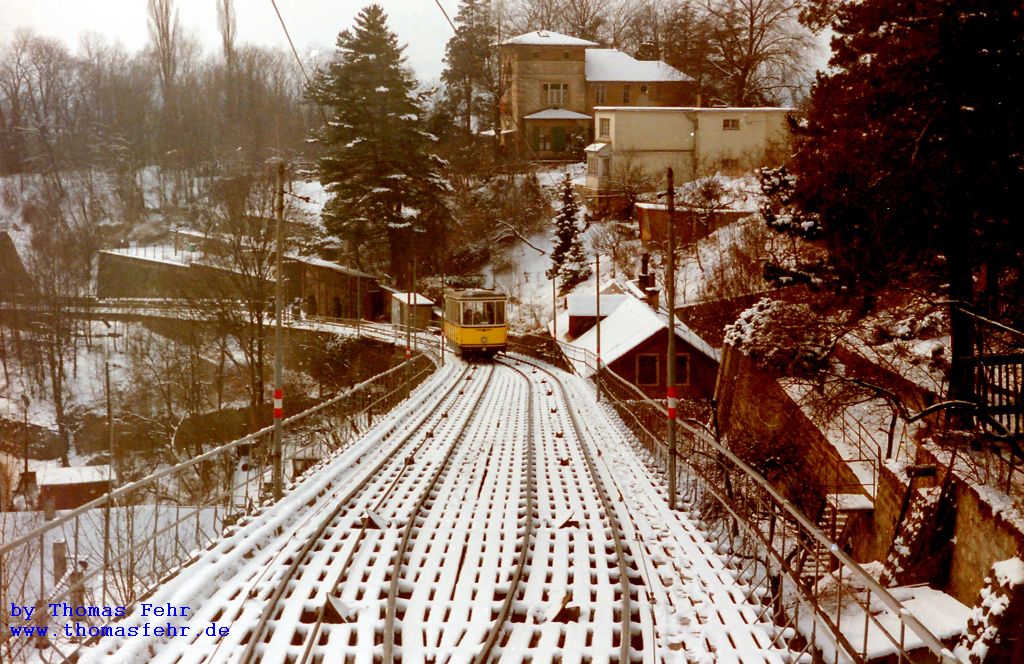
{"points": [[55, 475], [632, 323], [610, 64], [319, 262], [585, 304], [416, 298], [557, 114], [548, 38], [595, 147]]}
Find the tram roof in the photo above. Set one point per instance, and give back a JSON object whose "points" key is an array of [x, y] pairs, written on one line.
{"points": [[477, 294]]}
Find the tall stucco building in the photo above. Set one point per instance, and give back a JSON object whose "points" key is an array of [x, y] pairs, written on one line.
{"points": [[633, 146], [556, 81]]}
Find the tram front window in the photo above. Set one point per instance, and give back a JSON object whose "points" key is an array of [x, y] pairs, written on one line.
{"points": [[483, 313]]}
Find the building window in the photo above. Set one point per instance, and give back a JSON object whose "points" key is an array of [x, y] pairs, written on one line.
{"points": [[544, 141], [536, 55], [625, 94], [599, 94], [730, 165], [731, 124], [604, 127], [606, 167], [643, 89], [592, 165], [555, 94], [565, 55], [647, 369], [682, 369]]}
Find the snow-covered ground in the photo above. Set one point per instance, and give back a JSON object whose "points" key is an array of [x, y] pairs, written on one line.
{"points": [[689, 605]]}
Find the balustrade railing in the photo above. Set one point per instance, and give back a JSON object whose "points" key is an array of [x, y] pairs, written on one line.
{"points": [[118, 547], [823, 603]]}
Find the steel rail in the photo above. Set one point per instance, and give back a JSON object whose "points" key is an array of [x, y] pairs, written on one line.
{"points": [[314, 631], [258, 632], [517, 574], [625, 636], [403, 546], [928, 639]]}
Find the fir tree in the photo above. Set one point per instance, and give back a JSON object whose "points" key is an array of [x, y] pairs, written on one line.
{"points": [[472, 70], [568, 260], [387, 187]]}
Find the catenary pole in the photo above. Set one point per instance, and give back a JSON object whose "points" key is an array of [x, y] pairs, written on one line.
{"points": [[278, 335], [554, 311], [597, 297], [670, 287]]}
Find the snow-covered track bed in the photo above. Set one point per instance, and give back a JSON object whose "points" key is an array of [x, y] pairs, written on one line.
{"points": [[499, 515], [688, 605], [232, 582]]}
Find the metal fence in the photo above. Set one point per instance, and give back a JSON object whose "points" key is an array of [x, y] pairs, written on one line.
{"points": [[119, 547], [824, 604]]}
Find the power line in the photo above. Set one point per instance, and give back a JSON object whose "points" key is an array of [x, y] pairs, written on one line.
{"points": [[446, 17], [290, 43]]}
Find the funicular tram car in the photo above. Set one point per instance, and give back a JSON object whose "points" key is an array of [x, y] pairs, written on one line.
{"points": [[474, 321]]}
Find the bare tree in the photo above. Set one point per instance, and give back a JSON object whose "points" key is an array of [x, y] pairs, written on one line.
{"points": [[758, 48], [164, 30]]}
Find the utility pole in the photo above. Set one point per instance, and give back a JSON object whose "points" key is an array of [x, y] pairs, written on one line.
{"points": [[444, 312], [25, 402], [597, 297], [670, 287], [278, 334], [554, 310]]}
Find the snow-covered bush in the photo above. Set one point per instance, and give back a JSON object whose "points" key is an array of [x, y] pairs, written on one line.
{"points": [[788, 338]]}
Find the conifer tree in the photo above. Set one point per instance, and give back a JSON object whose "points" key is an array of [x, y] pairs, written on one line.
{"points": [[471, 65], [912, 154], [568, 260], [387, 186]]}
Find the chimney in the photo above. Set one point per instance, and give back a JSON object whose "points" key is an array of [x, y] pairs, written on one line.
{"points": [[651, 294], [646, 279]]}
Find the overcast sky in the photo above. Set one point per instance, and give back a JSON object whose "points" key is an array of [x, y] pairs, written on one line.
{"points": [[312, 23]]}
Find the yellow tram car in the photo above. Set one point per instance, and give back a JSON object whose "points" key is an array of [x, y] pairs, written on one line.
{"points": [[474, 321]]}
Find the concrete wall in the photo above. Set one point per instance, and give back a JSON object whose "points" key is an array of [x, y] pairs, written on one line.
{"points": [[693, 141], [760, 132]]}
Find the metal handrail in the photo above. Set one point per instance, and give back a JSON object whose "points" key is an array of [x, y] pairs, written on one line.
{"points": [[131, 487], [792, 512]]}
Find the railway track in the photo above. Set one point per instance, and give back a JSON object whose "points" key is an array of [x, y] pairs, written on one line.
{"points": [[501, 519]]}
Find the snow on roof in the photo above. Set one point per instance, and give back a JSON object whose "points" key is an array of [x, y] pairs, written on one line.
{"points": [[166, 254], [417, 299], [595, 147], [548, 38], [585, 304], [319, 262], [556, 114], [490, 132], [609, 64], [629, 325], [56, 475]]}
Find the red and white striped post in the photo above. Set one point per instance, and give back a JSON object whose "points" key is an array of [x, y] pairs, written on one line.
{"points": [[278, 470], [278, 405], [670, 287]]}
